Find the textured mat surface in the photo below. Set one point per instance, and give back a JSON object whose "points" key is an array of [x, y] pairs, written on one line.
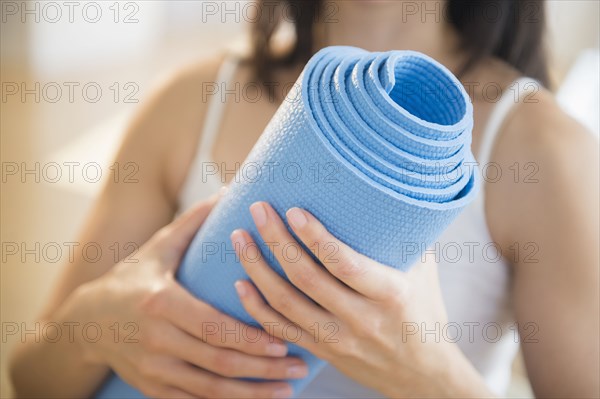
{"points": [[376, 145]]}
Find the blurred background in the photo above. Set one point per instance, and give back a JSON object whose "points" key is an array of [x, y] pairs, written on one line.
{"points": [[73, 74]]}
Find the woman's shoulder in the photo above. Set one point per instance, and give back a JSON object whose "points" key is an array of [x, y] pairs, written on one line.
{"points": [[181, 93], [164, 133], [538, 129], [547, 160]]}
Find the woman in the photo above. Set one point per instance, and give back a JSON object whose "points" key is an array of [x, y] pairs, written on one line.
{"points": [[544, 217]]}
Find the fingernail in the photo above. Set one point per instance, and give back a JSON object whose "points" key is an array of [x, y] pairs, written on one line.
{"points": [[259, 214], [297, 372], [296, 218], [238, 239], [239, 287], [276, 350], [223, 190], [282, 393]]}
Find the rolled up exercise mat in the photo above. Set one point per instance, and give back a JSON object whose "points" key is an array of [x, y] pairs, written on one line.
{"points": [[375, 145]]}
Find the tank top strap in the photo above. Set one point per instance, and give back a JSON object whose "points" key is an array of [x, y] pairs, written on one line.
{"points": [[514, 94], [216, 108], [517, 92], [198, 184]]}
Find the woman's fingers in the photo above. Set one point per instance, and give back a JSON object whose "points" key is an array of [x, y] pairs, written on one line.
{"points": [[185, 226], [300, 268], [163, 377], [171, 241], [280, 294], [359, 272], [149, 385], [227, 362], [153, 389], [204, 384], [274, 322], [204, 322]]}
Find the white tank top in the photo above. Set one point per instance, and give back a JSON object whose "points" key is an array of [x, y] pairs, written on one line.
{"points": [[474, 276]]}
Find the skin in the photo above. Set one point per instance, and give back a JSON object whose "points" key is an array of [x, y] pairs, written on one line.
{"points": [[559, 213], [356, 295]]}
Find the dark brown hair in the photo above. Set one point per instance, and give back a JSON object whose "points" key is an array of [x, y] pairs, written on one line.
{"points": [[511, 30]]}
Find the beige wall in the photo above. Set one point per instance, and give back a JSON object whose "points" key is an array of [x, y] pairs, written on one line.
{"points": [[573, 25]]}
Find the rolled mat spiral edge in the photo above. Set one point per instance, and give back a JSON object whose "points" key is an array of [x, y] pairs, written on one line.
{"points": [[375, 145]]}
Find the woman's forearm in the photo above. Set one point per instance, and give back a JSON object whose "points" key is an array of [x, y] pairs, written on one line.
{"points": [[454, 378], [44, 366]]}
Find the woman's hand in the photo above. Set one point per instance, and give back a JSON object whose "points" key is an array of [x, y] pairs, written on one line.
{"points": [[371, 317], [165, 342]]}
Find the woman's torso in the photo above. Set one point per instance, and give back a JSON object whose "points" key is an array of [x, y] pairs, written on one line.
{"points": [[474, 278]]}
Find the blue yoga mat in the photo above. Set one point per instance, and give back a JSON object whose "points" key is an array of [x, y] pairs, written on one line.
{"points": [[375, 145]]}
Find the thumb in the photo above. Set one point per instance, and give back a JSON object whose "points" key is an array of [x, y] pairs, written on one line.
{"points": [[172, 240]]}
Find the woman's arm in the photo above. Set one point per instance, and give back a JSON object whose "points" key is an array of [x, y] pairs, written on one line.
{"points": [[552, 217], [560, 298], [173, 353], [124, 212], [151, 332], [160, 144]]}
